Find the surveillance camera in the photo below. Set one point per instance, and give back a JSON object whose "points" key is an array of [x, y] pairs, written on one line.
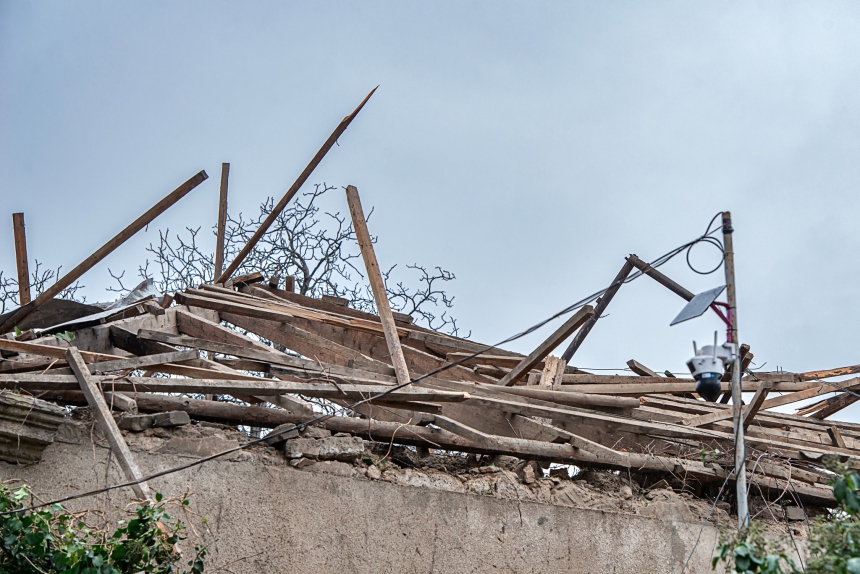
{"points": [[707, 368]]}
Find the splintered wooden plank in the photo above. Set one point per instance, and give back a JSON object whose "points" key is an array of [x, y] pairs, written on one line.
{"points": [[838, 403], [88, 263], [106, 422], [282, 203], [545, 348], [144, 361]]}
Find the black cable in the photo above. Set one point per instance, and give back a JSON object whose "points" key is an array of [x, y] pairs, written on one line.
{"points": [[656, 263]]}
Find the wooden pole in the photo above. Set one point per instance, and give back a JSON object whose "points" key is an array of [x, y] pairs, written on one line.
{"points": [[377, 285], [103, 251], [737, 407], [106, 423], [21, 258], [222, 221], [602, 303], [277, 209]]}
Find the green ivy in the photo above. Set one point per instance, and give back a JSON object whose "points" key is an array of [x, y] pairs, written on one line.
{"points": [[52, 541], [834, 541]]}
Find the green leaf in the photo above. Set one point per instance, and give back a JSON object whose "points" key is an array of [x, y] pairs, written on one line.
{"points": [[18, 332], [158, 497], [853, 566]]}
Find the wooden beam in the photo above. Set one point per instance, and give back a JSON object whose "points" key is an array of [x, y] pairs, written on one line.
{"points": [[646, 269], [602, 303], [836, 436], [751, 409], [377, 284], [103, 251], [21, 258], [51, 351], [247, 386], [282, 203], [572, 324], [649, 388], [103, 415], [552, 372], [641, 369], [222, 221], [838, 403]]}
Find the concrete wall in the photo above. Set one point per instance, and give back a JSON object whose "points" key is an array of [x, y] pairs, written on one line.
{"points": [[264, 516]]}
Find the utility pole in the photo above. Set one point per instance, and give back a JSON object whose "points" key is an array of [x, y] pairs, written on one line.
{"points": [[737, 407]]}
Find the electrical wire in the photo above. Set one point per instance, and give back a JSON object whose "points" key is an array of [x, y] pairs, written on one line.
{"points": [[299, 426], [707, 518]]}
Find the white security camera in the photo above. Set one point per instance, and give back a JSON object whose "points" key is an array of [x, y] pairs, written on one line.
{"points": [[708, 367]]}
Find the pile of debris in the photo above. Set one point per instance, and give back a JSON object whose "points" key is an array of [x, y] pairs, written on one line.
{"points": [[209, 343], [250, 351]]}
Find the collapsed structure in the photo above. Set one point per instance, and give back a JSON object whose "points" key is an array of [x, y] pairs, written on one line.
{"points": [[250, 351]]}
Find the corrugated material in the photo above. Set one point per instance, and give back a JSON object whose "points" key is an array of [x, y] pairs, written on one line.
{"points": [[27, 426]]}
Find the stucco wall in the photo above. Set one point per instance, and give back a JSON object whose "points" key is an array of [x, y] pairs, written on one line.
{"points": [[264, 516]]}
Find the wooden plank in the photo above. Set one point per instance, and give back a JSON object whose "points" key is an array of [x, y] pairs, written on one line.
{"points": [[827, 373], [201, 328], [641, 369], [140, 362], [796, 396], [567, 328], [103, 251], [839, 402], [282, 203], [377, 284], [726, 414], [21, 258], [508, 361], [584, 379], [106, 422], [270, 356], [602, 303], [751, 409], [288, 335], [673, 387], [248, 386], [552, 372], [836, 436], [465, 431], [222, 221], [571, 398], [50, 351], [672, 286]]}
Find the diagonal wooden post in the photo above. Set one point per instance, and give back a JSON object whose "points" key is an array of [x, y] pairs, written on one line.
{"points": [[279, 207], [222, 221], [21, 258], [103, 251], [106, 423], [377, 285]]}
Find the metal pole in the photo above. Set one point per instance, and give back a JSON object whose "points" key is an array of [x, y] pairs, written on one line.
{"points": [[740, 446]]}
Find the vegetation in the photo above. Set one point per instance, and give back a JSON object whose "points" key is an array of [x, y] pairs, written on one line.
{"points": [[53, 541], [834, 541]]}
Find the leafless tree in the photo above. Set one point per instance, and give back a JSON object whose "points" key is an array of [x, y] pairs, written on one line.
{"points": [[40, 279], [319, 249]]}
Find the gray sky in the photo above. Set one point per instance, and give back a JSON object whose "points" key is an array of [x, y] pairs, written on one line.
{"points": [[528, 147]]}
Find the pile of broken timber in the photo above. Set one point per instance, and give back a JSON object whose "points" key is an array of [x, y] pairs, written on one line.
{"points": [[531, 407]]}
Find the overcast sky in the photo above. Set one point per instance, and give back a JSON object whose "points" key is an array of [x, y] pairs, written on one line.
{"points": [[527, 147]]}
